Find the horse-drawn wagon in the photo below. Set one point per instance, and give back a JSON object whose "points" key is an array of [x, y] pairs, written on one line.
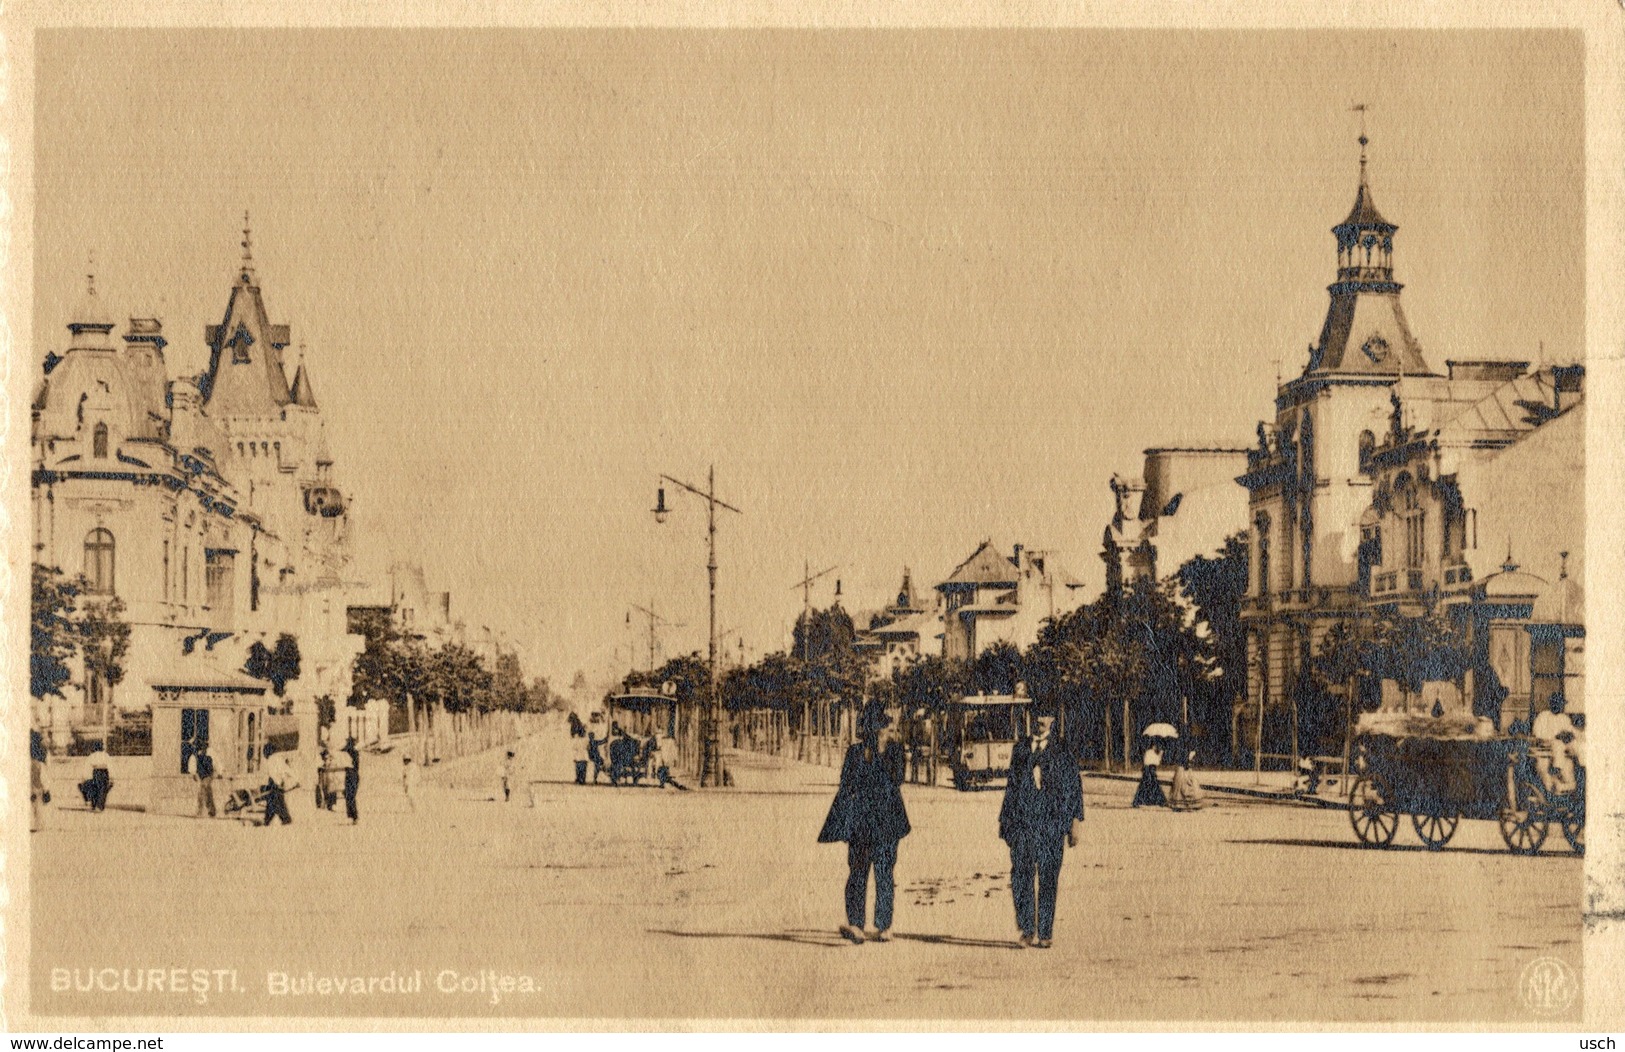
{"points": [[1438, 775]]}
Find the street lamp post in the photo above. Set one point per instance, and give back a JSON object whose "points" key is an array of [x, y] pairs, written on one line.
{"points": [[711, 767]]}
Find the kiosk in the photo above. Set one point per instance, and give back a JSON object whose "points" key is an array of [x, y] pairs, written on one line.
{"points": [[225, 712]]}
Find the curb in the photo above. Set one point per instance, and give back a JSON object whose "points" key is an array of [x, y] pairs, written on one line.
{"points": [[1272, 795]]}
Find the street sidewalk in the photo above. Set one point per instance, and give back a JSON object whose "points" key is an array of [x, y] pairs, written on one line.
{"points": [[1273, 786]]}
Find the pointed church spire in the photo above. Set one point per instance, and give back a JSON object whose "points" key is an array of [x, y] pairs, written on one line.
{"points": [[1365, 240], [302, 394]]}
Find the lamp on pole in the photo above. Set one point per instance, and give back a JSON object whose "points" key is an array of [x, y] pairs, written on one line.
{"points": [[711, 768]]}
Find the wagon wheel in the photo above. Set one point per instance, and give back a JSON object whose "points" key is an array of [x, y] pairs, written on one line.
{"points": [[1523, 820], [1574, 831], [1372, 812], [1436, 828]]}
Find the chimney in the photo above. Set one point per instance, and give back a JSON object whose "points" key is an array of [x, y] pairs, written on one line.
{"points": [[1017, 557]]}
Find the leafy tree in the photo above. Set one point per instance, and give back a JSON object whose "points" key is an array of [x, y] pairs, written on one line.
{"points": [[1216, 587], [1415, 650], [508, 683], [931, 682], [539, 697], [66, 620], [1128, 659], [997, 669], [53, 633], [277, 665], [390, 666], [326, 711], [1339, 685], [828, 636], [456, 678]]}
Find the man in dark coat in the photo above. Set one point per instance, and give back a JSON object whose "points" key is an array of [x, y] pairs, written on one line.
{"points": [[352, 779], [868, 815], [1043, 804]]}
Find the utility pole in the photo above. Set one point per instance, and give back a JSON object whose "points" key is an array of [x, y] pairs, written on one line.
{"points": [[655, 619], [711, 762], [805, 584]]}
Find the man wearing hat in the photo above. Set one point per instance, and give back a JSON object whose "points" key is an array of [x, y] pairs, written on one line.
{"points": [[1043, 804], [868, 815]]}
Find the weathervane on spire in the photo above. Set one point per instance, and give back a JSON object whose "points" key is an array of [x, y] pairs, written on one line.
{"points": [[90, 277], [248, 239]]}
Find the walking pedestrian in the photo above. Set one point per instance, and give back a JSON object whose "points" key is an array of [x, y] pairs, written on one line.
{"points": [[1149, 794], [278, 780], [868, 815], [1043, 805], [507, 776], [409, 782], [96, 788], [595, 753], [324, 775], [203, 770], [578, 744], [352, 779], [1185, 795], [38, 795]]}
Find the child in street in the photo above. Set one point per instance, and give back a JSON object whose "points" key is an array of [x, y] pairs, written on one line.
{"points": [[409, 782]]}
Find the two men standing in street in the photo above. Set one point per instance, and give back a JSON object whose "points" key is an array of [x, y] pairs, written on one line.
{"points": [[1039, 819]]}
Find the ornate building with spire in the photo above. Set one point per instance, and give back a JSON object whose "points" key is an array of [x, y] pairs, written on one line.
{"points": [[205, 504], [1334, 532]]}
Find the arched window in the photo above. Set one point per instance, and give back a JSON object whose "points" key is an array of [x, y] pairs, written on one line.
{"points": [[99, 562], [98, 442], [1415, 518]]}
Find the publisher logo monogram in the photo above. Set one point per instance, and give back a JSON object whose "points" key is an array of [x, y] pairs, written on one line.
{"points": [[1548, 985]]}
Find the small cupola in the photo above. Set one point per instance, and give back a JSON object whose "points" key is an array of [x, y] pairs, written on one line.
{"points": [[1365, 240]]}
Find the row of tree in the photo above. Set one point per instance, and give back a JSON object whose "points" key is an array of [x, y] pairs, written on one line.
{"points": [[1172, 651], [413, 677]]}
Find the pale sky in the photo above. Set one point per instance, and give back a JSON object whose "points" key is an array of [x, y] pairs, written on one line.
{"points": [[907, 289]]}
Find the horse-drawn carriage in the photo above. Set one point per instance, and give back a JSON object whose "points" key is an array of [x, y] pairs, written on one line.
{"points": [[1524, 783], [642, 740]]}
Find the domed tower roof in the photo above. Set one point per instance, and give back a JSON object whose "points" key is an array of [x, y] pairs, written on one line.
{"points": [[90, 384]]}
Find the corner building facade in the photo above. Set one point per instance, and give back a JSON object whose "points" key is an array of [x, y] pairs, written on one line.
{"points": [[206, 504], [1308, 482]]}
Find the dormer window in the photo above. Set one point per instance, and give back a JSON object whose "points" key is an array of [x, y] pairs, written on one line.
{"points": [[240, 342]]}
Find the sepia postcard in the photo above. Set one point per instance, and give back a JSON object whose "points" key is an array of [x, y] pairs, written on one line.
{"points": [[645, 517]]}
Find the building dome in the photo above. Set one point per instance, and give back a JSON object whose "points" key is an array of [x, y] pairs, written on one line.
{"points": [[1513, 583], [1562, 603], [86, 388]]}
